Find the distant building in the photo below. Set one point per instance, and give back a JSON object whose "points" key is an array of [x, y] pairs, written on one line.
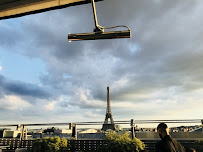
{"points": [[11, 134], [119, 127], [174, 130], [63, 131], [93, 136], [49, 130], [88, 131], [2, 132], [36, 131], [197, 130]]}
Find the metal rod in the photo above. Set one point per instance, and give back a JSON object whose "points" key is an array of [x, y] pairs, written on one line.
{"points": [[95, 14], [101, 122]]}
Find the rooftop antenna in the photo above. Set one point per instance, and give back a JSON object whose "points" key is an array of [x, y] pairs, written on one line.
{"points": [[98, 32]]}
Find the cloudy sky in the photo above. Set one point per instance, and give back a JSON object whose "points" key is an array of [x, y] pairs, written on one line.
{"points": [[157, 74]]}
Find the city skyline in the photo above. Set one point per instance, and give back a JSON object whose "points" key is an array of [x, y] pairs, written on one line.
{"points": [[157, 74]]}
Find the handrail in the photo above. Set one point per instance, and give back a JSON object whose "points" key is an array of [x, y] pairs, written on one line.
{"points": [[101, 122]]}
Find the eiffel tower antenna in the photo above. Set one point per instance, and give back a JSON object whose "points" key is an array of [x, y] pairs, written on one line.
{"points": [[109, 114]]}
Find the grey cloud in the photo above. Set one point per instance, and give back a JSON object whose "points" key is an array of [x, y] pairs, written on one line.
{"points": [[22, 89], [83, 105], [162, 30], [163, 41]]}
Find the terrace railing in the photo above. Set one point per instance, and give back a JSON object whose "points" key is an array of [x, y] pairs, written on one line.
{"points": [[80, 145]]}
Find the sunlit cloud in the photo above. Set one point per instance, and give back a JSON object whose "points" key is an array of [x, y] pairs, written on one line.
{"points": [[13, 103]]}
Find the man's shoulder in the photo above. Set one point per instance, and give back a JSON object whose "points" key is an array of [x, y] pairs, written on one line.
{"points": [[161, 146], [177, 145], [168, 143], [160, 143]]}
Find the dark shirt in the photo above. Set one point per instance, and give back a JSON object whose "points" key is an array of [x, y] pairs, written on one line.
{"points": [[168, 144]]}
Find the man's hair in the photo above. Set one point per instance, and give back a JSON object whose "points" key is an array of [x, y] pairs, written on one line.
{"points": [[162, 126]]}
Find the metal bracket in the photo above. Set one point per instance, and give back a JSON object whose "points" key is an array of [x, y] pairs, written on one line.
{"points": [[98, 29]]}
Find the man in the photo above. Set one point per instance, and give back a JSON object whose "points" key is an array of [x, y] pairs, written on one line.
{"points": [[167, 143], [192, 150]]}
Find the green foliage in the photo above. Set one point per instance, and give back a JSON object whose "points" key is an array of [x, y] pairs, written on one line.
{"points": [[198, 146], [47, 144], [121, 143], [73, 138]]}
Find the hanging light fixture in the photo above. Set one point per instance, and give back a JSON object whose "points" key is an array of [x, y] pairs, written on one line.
{"points": [[99, 32]]}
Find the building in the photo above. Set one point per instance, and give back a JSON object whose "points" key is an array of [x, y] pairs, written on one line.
{"points": [[8, 133], [63, 131], [88, 131]]}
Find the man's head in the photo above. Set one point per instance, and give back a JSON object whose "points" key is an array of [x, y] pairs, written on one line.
{"points": [[163, 130]]}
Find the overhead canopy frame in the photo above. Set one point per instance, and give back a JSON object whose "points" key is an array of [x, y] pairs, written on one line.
{"points": [[18, 8]]}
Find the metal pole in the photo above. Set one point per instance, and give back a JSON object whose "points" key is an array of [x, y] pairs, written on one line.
{"points": [[18, 127], [21, 135], [74, 131], [70, 125], [95, 14], [133, 128], [25, 133]]}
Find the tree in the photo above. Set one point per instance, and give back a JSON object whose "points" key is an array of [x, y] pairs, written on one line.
{"points": [[47, 144], [121, 143]]}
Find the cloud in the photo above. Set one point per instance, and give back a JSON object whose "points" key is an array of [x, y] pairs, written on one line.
{"points": [[155, 69], [1, 68], [13, 103], [84, 100], [19, 88]]}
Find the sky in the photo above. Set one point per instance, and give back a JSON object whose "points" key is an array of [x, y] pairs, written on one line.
{"points": [[155, 75]]}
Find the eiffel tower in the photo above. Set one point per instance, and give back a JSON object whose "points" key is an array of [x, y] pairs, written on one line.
{"points": [[109, 115]]}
